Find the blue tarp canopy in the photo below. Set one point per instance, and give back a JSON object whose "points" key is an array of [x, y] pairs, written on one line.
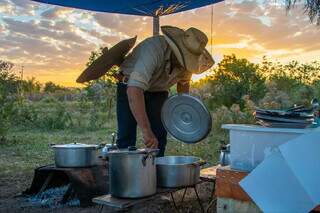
{"points": [[134, 7]]}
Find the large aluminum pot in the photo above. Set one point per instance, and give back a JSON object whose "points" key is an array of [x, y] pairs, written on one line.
{"points": [[75, 155], [178, 171], [132, 173]]}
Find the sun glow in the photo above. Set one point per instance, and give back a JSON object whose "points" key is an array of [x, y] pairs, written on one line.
{"points": [[199, 77]]}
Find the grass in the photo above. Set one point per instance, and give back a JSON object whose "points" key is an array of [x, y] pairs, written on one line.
{"points": [[24, 150]]}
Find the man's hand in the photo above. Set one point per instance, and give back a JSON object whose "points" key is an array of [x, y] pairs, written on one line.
{"points": [[150, 140]]}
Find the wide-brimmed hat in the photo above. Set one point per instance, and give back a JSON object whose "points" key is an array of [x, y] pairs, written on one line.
{"points": [[189, 47], [110, 57]]}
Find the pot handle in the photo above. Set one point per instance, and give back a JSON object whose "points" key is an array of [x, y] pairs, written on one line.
{"points": [[199, 163], [101, 145], [51, 144], [144, 159], [146, 156], [202, 162]]}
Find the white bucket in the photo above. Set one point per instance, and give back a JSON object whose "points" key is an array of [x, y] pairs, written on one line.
{"points": [[251, 144]]}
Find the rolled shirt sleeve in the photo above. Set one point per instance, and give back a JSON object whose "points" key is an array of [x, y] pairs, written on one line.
{"points": [[185, 78], [148, 57]]}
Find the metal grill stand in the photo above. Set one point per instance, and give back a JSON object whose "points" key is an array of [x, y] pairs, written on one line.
{"points": [[123, 204], [184, 193]]}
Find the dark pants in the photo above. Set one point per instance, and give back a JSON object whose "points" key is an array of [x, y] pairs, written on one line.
{"points": [[127, 125]]}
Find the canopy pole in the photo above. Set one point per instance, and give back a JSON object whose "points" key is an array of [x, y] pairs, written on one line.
{"points": [[156, 25]]}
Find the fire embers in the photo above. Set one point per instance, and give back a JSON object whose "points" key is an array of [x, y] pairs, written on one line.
{"points": [[53, 198]]}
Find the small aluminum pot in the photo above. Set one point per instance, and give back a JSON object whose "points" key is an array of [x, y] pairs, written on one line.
{"points": [[75, 155], [224, 157], [178, 171], [132, 173]]}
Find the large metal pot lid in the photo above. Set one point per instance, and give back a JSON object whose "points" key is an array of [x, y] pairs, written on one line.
{"points": [[186, 118], [74, 145]]}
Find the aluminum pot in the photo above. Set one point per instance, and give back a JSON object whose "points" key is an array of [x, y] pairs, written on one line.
{"points": [[132, 173], [178, 171], [75, 155]]}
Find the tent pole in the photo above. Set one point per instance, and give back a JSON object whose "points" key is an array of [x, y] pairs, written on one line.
{"points": [[156, 25]]}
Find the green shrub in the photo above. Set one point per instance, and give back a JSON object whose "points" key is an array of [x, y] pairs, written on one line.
{"points": [[25, 114], [302, 95], [316, 89], [230, 81], [275, 98], [56, 118], [8, 88], [44, 115], [232, 115]]}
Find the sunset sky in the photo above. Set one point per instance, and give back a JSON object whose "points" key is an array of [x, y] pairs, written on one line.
{"points": [[54, 43]]}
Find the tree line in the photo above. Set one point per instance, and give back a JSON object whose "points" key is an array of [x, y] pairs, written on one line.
{"points": [[231, 90]]}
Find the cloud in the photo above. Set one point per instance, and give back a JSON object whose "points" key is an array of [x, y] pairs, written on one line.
{"points": [[54, 12], [127, 25], [18, 7], [240, 28], [54, 43]]}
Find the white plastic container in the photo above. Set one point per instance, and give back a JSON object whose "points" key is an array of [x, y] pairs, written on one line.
{"points": [[251, 144]]}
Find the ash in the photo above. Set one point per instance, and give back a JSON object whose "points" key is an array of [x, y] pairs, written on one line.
{"points": [[51, 198]]}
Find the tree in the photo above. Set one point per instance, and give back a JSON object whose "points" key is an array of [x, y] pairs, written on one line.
{"points": [[50, 87], [31, 86], [312, 8], [8, 81], [103, 90], [294, 79], [233, 79], [8, 85]]}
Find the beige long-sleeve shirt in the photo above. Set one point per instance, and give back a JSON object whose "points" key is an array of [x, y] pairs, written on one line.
{"points": [[149, 66]]}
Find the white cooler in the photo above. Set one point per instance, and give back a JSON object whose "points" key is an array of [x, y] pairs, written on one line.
{"points": [[251, 144]]}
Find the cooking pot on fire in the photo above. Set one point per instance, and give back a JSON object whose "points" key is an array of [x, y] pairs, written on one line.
{"points": [[132, 172], [75, 155]]}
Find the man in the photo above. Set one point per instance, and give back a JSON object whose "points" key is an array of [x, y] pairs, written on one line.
{"points": [[148, 72]]}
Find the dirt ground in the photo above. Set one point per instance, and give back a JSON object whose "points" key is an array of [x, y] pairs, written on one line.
{"points": [[12, 186]]}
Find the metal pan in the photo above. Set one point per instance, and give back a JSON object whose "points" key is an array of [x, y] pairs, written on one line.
{"points": [[287, 120], [186, 118], [178, 171]]}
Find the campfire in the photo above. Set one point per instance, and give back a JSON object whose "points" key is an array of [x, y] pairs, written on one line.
{"points": [[53, 198]]}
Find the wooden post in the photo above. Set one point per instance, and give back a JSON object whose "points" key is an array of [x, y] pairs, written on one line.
{"points": [[156, 25]]}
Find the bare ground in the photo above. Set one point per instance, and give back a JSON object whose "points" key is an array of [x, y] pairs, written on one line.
{"points": [[12, 186]]}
